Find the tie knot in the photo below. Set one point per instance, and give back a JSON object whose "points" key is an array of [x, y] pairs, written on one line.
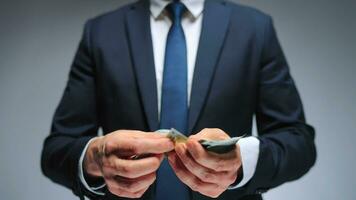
{"points": [[176, 10]]}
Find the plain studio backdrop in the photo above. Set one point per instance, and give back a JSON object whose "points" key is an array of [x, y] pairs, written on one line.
{"points": [[38, 39]]}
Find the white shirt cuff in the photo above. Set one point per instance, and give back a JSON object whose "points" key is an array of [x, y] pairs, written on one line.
{"points": [[250, 149], [81, 173]]}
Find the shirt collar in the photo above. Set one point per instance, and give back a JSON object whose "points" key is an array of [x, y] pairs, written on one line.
{"points": [[195, 7]]}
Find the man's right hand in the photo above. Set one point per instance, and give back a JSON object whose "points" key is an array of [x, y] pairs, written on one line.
{"points": [[112, 158]]}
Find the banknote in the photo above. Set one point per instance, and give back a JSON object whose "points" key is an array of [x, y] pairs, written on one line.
{"points": [[216, 146]]}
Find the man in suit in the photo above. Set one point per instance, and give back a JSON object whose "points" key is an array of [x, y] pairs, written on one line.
{"points": [[204, 67]]}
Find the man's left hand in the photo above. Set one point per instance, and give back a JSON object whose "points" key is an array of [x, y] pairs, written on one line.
{"points": [[205, 172]]}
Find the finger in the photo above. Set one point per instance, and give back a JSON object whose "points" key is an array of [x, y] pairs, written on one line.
{"points": [[132, 168], [153, 135], [211, 134], [126, 194], [208, 189], [203, 173], [127, 146], [217, 162], [131, 185], [138, 134], [156, 146]]}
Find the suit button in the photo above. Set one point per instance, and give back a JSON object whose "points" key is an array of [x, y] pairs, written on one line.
{"points": [[261, 190]]}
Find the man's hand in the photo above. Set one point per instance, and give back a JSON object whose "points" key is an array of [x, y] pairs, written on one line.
{"points": [[207, 173], [114, 157]]}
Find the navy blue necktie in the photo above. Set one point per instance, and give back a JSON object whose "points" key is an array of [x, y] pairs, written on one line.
{"points": [[174, 104]]}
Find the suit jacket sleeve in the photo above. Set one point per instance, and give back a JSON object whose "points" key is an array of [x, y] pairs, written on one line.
{"points": [[75, 121], [287, 149]]}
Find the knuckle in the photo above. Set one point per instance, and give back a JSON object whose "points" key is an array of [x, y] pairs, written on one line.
{"points": [[107, 176], [215, 194], [216, 130], [220, 166], [210, 194], [234, 168], [153, 180], [156, 163], [207, 176], [232, 179], [220, 131], [113, 185], [206, 130], [109, 146], [239, 164], [114, 190], [222, 135], [180, 173], [195, 186], [151, 177], [138, 194]]}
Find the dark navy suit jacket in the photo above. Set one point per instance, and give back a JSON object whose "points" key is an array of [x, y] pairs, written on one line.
{"points": [[240, 72]]}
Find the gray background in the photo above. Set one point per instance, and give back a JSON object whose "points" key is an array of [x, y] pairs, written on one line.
{"points": [[38, 39]]}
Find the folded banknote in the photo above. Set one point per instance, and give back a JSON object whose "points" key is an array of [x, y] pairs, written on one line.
{"points": [[216, 146]]}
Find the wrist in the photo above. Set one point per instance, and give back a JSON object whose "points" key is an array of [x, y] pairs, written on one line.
{"points": [[91, 160]]}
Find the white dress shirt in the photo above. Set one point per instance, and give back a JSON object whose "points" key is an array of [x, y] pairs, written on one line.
{"points": [[192, 25]]}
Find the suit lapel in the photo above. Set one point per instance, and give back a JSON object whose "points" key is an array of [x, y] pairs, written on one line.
{"points": [[216, 18], [139, 34]]}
